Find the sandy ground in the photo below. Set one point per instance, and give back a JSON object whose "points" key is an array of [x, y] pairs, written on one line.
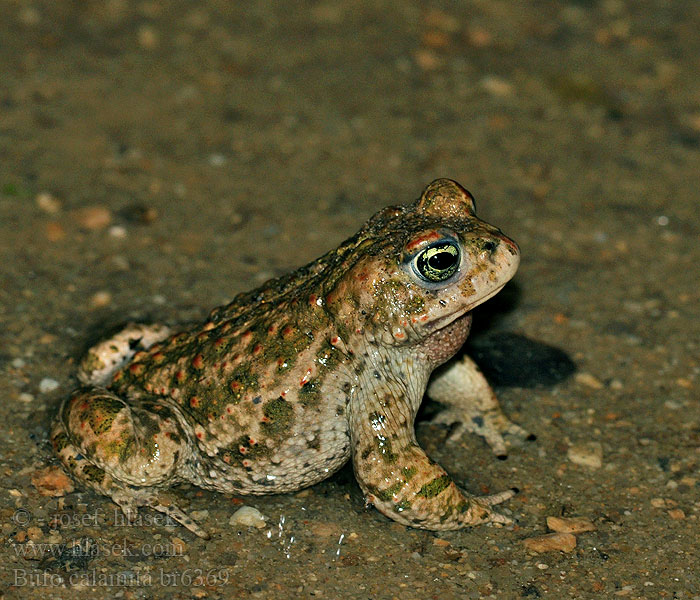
{"points": [[158, 157]]}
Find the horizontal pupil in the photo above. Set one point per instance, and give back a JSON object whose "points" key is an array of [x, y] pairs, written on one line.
{"points": [[441, 261]]}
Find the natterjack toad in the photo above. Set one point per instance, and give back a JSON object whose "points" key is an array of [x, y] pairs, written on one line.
{"points": [[278, 389]]}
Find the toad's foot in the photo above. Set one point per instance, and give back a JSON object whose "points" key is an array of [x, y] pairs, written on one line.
{"points": [[110, 355], [473, 406], [483, 504], [128, 452]]}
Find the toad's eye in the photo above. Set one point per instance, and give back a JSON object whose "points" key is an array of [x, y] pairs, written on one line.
{"points": [[437, 262]]}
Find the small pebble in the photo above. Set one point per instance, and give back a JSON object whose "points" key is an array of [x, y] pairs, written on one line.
{"points": [[427, 60], [48, 203], [479, 38], [18, 363], [496, 86], [564, 542], [120, 262], [118, 232], [52, 481], [200, 515], [217, 160], [587, 454], [148, 37], [248, 517], [47, 385], [34, 533], [588, 380], [570, 524], [100, 299], [55, 232], [179, 546], [25, 397], [441, 542], [616, 384], [658, 502], [676, 514], [55, 537], [93, 217]]}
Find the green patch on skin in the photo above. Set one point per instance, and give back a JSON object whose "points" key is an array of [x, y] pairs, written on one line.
{"points": [[210, 405], [388, 493], [91, 363], [93, 474], [366, 452], [435, 487], [409, 472], [60, 442], [402, 506], [343, 331], [395, 289], [384, 447], [280, 416], [101, 412], [310, 394], [242, 380], [328, 356], [251, 451], [122, 448], [284, 348]]}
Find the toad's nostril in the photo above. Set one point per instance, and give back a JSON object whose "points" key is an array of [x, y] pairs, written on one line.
{"points": [[490, 245]]}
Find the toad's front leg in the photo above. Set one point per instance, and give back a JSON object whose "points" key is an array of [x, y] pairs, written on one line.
{"points": [[396, 474]]}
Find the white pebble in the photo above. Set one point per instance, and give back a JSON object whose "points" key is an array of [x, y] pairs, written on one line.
{"points": [[18, 363], [248, 517], [47, 385], [200, 515], [587, 454], [217, 160], [117, 231], [48, 203]]}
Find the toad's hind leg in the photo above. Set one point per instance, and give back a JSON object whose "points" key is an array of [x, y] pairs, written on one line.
{"points": [[471, 403], [106, 358], [129, 452]]}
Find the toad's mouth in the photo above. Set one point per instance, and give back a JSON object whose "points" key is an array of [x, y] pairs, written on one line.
{"points": [[446, 320]]}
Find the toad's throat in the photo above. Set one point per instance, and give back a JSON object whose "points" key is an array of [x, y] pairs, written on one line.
{"points": [[446, 341]]}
